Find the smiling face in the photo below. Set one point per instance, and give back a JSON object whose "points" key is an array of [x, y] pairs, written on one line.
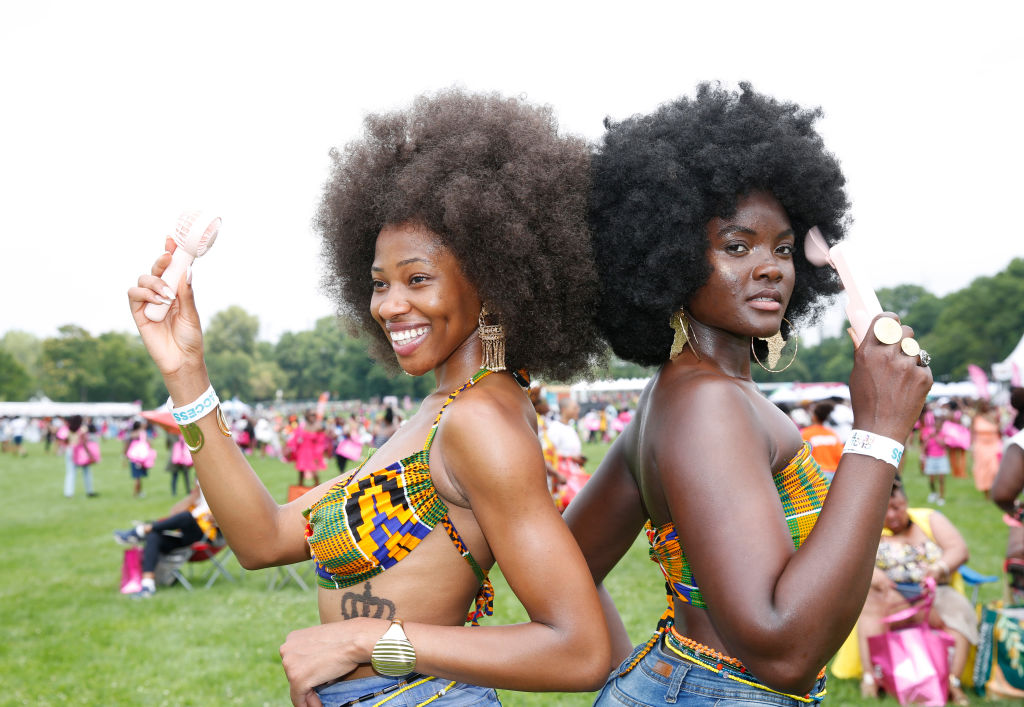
{"points": [[426, 306], [751, 257]]}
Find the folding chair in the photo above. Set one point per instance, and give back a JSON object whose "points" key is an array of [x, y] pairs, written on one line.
{"points": [[172, 564], [975, 579], [286, 574]]}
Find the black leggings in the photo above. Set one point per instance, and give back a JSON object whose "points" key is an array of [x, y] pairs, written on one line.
{"points": [[176, 470], [159, 543], [342, 463]]}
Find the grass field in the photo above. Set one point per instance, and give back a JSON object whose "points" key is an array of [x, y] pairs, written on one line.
{"points": [[71, 638]]}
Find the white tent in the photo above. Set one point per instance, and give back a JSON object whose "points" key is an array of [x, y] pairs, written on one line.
{"points": [[806, 392], [235, 408], [1004, 370], [608, 386], [48, 408]]}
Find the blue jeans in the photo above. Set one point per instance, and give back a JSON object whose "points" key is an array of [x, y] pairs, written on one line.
{"points": [[70, 471], [458, 695], [661, 678]]}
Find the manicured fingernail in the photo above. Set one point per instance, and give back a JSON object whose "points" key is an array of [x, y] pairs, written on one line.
{"points": [[164, 300], [167, 292]]}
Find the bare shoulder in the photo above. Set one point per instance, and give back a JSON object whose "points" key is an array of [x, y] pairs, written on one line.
{"points": [[489, 430], [701, 401]]}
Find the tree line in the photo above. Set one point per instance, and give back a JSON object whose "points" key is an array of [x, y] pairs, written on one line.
{"points": [[979, 324]]}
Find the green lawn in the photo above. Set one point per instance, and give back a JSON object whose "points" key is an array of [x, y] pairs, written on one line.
{"points": [[71, 638]]}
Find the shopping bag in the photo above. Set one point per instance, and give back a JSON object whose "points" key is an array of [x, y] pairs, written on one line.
{"points": [[180, 454], [140, 452], [955, 435], [999, 664], [912, 664], [350, 449], [86, 454], [131, 571]]}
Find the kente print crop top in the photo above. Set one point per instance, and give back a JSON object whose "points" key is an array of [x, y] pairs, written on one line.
{"points": [[361, 528], [802, 488]]}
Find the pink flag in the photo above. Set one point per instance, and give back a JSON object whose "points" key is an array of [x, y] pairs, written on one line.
{"points": [[979, 379]]}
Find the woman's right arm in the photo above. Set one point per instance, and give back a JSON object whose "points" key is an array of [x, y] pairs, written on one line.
{"points": [[260, 532], [605, 517], [1010, 479], [783, 613]]}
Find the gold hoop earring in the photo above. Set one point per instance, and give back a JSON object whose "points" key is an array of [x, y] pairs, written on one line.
{"points": [[492, 339], [775, 344], [680, 323]]}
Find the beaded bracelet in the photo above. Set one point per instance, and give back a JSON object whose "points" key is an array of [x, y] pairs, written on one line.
{"points": [[870, 444]]}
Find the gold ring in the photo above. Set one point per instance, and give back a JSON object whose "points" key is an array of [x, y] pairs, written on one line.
{"points": [[888, 330], [910, 346]]}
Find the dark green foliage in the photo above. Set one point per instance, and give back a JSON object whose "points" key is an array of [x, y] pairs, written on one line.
{"points": [[15, 383]]}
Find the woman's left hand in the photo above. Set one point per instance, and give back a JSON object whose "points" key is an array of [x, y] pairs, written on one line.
{"points": [[939, 571], [312, 656]]}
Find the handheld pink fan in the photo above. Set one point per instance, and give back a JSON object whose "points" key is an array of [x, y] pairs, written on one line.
{"points": [[194, 233], [862, 305]]}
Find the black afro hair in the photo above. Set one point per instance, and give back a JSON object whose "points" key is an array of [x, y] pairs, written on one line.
{"points": [[658, 180]]}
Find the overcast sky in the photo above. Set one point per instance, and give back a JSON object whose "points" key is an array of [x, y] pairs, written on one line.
{"points": [[116, 116]]}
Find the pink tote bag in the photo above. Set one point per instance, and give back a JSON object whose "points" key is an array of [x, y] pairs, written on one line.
{"points": [[350, 449], [131, 571], [912, 663]]}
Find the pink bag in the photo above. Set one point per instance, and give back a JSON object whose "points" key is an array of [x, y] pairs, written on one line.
{"points": [[131, 571], [955, 435], [180, 454], [140, 452], [86, 454], [349, 448], [912, 664]]}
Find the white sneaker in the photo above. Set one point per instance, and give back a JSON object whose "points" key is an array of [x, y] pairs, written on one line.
{"points": [[940, 501], [932, 497]]}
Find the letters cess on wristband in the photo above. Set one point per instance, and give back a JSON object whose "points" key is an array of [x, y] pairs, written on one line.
{"points": [[869, 444], [188, 415]]}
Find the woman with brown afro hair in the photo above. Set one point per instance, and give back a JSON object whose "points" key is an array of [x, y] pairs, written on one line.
{"points": [[455, 236], [700, 210]]}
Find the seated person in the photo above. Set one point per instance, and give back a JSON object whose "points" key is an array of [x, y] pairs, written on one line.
{"points": [[189, 520], [918, 543], [1006, 490]]}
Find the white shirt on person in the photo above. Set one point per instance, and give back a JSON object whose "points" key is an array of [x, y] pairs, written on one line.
{"points": [[565, 438]]}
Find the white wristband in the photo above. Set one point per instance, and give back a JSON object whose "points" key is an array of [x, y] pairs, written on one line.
{"points": [[197, 409], [872, 445]]}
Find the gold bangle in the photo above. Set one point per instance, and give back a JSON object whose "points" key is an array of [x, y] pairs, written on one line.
{"points": [[393, 654], [194, 438], [222, 422]]}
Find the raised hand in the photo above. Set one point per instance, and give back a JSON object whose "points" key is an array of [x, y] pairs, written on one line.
{"points": [[887, 387], [176, 343]]}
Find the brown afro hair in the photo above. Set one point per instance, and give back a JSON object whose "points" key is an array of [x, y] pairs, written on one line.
{"points": [[507, 196]]}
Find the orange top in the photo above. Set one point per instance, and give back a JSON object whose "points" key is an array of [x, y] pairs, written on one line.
{"points": [[826, 447]]}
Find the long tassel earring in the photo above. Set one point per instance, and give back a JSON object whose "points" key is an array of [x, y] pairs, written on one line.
{"points": [[492, 339], [776, 344], [680, 323]]}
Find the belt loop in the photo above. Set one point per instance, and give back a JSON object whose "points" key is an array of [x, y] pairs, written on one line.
{"points": [[675, 683]]}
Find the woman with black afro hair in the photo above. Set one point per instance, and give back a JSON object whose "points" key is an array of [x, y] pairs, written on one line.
{"points": [[699, 212], [456, 237]]}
